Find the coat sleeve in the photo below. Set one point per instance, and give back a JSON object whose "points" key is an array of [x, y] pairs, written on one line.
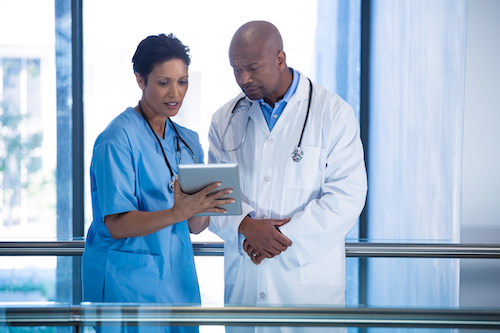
{"points": [[325, 221], [226, 227]]}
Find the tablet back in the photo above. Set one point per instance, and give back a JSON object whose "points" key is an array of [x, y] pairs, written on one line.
{"points": [[194, 177]]}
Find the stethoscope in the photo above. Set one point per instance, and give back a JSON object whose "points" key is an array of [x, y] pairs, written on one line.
{"points": [[244, 104], [171, 182]]}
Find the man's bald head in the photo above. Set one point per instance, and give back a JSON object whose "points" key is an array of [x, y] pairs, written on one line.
{"points": [[260, 34], [259, 62]]}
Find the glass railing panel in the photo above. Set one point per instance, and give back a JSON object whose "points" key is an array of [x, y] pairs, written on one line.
{"points": [[40, 269], [295, 319], [479, 283], [211, 279], [426, 282], [298, 318], [37, 270], [37, 279], [28, 279]]}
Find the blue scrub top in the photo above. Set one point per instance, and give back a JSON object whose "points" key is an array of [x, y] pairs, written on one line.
{"points": [[128, 173]]}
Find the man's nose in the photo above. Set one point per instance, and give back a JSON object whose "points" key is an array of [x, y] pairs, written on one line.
{"points": [[245, 77]]}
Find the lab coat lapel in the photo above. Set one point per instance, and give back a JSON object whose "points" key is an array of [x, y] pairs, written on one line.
{"points": [[295, 105], [255, 114]]}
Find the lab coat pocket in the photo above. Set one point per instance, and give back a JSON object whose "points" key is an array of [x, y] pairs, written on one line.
{"points": [[327, 270], [307, 173], [131, 277]]}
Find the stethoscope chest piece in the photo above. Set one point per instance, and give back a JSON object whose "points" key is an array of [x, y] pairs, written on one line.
{"points": [[297, 155], [171, 184]]}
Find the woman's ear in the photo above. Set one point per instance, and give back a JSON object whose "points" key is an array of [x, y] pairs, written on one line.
{"points": [[140, 81]]}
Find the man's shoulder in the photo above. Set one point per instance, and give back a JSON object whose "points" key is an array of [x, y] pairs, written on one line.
{"points": [[329, 106], [229, 105], [227, 108], [324, 91], [320, 92], [328, 97]]}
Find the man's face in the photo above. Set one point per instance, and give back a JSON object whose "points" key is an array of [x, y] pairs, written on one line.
{"points": [[256, 70]]}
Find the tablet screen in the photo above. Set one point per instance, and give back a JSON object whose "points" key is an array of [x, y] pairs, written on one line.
{"points": [[194, 177]]}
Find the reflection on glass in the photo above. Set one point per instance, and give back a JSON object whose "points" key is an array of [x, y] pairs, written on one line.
{"points": [[417, 78], [26, 172], [28, 147]]}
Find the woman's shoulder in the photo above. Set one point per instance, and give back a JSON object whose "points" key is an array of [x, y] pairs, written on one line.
{"points": [[186, 132], [121, 127]]}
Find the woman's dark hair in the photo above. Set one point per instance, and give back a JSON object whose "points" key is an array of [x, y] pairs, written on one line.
{"points": [[155, 50]]}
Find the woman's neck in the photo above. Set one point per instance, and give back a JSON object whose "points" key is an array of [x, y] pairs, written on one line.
{"points": [[157, 122]]}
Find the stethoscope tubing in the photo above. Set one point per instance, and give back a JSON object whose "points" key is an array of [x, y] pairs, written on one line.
{"points": [[297, 154], [179, 137], [307, 113], [229, 122]]}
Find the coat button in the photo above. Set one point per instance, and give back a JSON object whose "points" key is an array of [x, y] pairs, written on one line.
{"points": [[267, 178], [262, 294]]}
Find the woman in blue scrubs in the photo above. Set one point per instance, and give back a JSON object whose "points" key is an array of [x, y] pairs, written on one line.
{"points": [[138, 248]]}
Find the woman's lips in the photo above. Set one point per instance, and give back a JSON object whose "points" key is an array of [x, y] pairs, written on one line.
{"points": [[172, 105]]}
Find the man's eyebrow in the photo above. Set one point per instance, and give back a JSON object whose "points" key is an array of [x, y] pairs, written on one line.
{"points": [[247, 65]]}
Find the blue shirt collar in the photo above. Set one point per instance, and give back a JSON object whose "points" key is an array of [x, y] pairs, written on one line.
{"points": [[289, 93]]}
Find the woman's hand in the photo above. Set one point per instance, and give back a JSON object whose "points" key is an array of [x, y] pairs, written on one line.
{"points": [[188, 205]]}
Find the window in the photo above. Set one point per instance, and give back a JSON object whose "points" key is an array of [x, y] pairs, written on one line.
{"points": [[415, 99], [28, 147]]}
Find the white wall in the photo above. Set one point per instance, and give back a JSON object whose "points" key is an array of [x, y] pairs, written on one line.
{"points": [[481, 151]]}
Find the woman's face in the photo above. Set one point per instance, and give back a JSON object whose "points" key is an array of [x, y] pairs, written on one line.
{"points": [[166, 87]]}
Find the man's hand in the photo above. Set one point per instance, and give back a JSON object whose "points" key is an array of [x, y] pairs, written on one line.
{"points": [[252, 253], [265, 240]]}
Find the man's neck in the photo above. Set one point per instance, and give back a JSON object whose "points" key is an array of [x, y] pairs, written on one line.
{"points": [[285, 83]]}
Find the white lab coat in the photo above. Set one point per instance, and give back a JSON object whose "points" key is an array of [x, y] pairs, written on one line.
{"points": [[323, 194]]}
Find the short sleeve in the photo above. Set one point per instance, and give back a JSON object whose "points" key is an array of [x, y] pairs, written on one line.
{"points": [[114, 174]]}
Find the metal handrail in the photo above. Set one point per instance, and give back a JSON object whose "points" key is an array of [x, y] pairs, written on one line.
{"points": [[92, 315], [406, 250]]}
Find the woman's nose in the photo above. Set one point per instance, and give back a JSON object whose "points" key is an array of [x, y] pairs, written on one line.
{"points": [[173, 91]]}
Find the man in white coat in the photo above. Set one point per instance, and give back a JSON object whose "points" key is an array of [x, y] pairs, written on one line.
{"points": [[288, 248]]}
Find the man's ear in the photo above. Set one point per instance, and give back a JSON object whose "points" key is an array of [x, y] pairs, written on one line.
{"points": [[281, 59]]}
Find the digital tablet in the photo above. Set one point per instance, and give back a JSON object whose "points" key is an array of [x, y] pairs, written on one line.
{"points": [[194, 177]]}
